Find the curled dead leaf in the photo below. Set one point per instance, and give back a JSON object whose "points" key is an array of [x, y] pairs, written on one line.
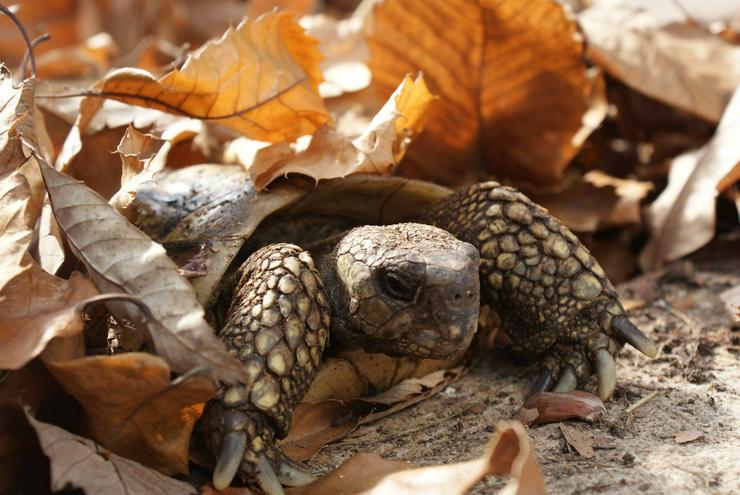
{"points": [[37, 307], [133, 409], [682, 218], [680, 63], [259, 79], [318, 422], [509, 453], [329, 153], [120, 258], [516, 98], [552, 407], [81, 463], [140, 161]]}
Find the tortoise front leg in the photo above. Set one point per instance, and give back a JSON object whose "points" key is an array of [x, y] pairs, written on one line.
{"points": [[277, 325], [552, 296]]}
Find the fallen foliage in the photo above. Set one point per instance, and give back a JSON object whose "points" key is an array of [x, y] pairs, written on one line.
{"points": [[582, 442], [682, 218], [674, 62], [188, 134], [549, 407], [516, 98], [81, 463], [509, 453], [148, 418], [217, 83]]}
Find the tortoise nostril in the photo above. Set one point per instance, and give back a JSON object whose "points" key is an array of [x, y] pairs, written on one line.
{"points": [[457, 297]]}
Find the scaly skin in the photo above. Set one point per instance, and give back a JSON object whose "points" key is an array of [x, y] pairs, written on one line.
{"points": [[414, 290], [552, 296], [277, 325]]}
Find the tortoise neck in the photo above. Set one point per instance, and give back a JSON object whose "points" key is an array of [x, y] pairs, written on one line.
{"points": [[325, 257]]}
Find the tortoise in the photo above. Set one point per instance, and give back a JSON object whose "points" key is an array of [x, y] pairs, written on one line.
{"points": [[391, 265]]}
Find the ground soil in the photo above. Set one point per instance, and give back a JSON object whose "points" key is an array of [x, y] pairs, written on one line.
{"points": [[696, 376]]}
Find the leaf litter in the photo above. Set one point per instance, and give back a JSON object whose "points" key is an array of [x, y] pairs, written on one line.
{"points": [[526, 119]]}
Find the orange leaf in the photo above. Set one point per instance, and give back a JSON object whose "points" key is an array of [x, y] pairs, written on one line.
{"points": [[132, 407], [509, 453], [331, 154], [514, 89], [36, 307], [259, 79]]}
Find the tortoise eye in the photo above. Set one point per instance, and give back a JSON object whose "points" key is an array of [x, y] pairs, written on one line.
{"points": [[399, 286]]}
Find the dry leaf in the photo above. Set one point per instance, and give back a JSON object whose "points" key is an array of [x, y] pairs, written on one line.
{"points": [[37, 307], [681, 64], [81, 463], [516, 98], [21, 191], [50, 247], [140, 161], [120, 258], [682, 218], [688, 436], [133, 409], [509, 453], [316, 424], [330, 154], [595, 201], [259, 79], [319, 422], [582, 442], [552, 407]]}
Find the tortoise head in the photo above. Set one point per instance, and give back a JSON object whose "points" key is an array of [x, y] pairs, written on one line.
{"points": [[405, 290]]}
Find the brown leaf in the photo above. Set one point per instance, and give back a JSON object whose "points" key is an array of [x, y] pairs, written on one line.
{"points": [[582, 442], [140, 161], [515, 95], [133, 409], [259, 79], [682, 64], [509, 453], [36, 308], [316, 424], [688, 436], [21, 190], [682, 218], [81, 463], [331, 154], [552, 407], [120, 258], [319, 422], [595, 201]]}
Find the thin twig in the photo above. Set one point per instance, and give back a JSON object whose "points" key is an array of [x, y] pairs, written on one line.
{"points": [[24, 33], [642, 401]]}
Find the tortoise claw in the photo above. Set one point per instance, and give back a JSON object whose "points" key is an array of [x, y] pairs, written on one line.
{"points": [[567, 381], [629, 333], [543, 383], [229, 458], [266, 477], [291, 474], [606, 373]]}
